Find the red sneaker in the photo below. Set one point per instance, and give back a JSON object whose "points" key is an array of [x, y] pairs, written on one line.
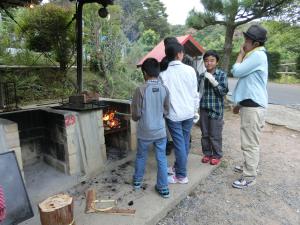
{"points": [[214, 161], [205, 159]]}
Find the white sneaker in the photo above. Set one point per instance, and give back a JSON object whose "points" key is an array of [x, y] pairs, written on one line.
{"points": [[243, 183], [174, 180], [171, 170]]}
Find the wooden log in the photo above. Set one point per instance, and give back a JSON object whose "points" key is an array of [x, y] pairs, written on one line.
{"points": [[57, 210], [90, 199], [125, 212], [91, 202]]}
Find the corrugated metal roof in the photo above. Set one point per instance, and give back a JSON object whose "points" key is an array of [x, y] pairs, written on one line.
{"points": [[191, 47]]}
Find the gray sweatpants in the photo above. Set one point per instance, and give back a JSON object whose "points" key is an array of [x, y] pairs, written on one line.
{"points": [[211, 139]]}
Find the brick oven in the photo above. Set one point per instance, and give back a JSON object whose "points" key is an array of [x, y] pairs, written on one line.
{"points": [[76, 142]]}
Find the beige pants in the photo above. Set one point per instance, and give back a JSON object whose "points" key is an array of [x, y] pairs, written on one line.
{"points": [[252, 122]]}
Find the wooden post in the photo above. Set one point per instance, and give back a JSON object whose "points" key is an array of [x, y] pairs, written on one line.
{"points": [[57, 210], [90, 199]]}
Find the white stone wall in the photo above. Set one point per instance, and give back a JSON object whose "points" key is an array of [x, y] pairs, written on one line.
{"points": [[9, 140]]}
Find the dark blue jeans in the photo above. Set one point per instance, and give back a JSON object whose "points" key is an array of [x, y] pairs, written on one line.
{"points": [[161, 159], [181, 132]]}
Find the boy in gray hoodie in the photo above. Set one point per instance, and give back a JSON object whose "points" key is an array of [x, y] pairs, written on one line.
{"points": [[150, 104]]}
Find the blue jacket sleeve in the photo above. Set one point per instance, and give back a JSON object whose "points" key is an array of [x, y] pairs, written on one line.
{"points": [[248, 66]]}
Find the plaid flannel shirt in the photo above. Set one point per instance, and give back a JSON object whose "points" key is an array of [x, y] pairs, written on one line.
{"points": [[213, 97]]}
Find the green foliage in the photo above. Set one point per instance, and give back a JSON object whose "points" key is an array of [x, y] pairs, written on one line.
{"points": [[284, 38], [274, 64], [232, 14], [6, 35], [131, 18], [154, 17], [150, 39], [143, 15], [45, 29], [135, 52], [298, 65], [211, 37], [35, 86], [178, 30], [106, 40], [287, 79]]}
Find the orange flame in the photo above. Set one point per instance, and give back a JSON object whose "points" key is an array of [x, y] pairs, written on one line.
{"points": [[110, 121]]}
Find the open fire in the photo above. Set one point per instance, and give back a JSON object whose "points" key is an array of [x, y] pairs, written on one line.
{"points": [[110, 120]]}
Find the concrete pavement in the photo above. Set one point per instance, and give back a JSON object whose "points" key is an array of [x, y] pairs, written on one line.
{"points": [[149, 206], [283, 116]]}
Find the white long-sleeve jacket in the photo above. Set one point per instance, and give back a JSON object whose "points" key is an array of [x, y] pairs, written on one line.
{"points": [[181, 80]]}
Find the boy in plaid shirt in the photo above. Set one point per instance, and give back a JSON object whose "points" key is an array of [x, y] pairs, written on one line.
{"points": [[212, 108]]}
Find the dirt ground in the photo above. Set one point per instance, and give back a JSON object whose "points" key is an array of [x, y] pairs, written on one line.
{"points": [[275, 199]]}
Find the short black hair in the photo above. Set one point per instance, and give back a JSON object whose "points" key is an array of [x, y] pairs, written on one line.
{"points": [[151, 67], [172, 50], [170, 40], [212, 53]]}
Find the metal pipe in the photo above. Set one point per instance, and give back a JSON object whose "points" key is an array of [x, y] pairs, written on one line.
{"points": [[79, 46]]}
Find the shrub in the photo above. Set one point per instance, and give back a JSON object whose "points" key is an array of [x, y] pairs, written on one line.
{"points": [[274, 63]]}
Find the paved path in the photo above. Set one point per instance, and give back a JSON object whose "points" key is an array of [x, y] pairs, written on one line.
{"points": [[281, 94]]}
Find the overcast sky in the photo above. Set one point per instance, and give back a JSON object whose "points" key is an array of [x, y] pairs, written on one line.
{"points": [[178, 10]]}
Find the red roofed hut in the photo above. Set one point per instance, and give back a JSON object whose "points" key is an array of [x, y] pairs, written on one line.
{"points": [[191, 48]]}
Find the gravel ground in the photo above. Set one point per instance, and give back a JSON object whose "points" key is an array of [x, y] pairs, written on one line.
{"points": [[275, 199]]}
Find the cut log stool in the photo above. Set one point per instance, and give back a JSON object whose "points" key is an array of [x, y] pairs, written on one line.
{"points": [[57, 210]]}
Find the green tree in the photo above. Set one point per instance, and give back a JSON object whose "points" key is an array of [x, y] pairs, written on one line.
{"points": [[63, 3], [232, 14], [131, 18], [149, 39], [45, 29], [104, 40], [143, 15], [284, 38], [6, 35], [155, 18]]}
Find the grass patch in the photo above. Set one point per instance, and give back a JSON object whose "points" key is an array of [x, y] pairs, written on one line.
{"points": [[224, 164], [287, 79]]}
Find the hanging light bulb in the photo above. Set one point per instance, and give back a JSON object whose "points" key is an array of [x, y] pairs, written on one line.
{"points": [[31, 5]]}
